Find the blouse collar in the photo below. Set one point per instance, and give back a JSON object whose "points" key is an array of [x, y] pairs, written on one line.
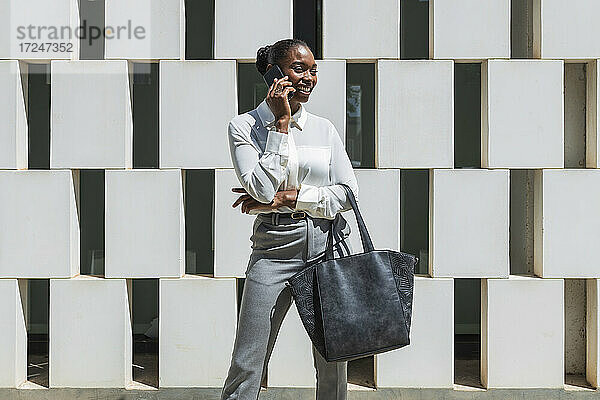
{"points": [[268, 118]]}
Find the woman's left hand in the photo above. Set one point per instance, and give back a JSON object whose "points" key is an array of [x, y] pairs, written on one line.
{"points": [[282, 198]]}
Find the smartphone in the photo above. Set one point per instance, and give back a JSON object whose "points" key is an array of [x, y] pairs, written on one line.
{"points": [[275, 72]]}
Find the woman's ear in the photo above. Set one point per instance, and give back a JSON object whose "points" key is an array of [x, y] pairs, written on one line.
{"points": [[268, 67]]}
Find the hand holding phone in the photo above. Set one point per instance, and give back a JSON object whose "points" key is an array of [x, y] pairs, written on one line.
{"points": [[278, 95], [271, 74]]}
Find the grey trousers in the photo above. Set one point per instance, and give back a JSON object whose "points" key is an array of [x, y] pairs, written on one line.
{"points": [[279, 250]]}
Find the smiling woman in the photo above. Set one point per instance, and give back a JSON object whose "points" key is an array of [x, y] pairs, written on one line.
{"points": [[290, 164], [297, 64]]}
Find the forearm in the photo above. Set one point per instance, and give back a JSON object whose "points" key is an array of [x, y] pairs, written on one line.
{"points": [[325, 201], [260, 176]]}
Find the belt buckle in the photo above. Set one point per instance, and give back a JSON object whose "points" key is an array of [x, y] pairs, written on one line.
{"points": [[298, 215]]}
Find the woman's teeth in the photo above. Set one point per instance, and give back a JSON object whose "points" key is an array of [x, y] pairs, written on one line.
{"points": [[305, 89]]}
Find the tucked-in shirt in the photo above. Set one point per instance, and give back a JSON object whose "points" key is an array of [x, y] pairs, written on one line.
{"points": [[310, 157]]}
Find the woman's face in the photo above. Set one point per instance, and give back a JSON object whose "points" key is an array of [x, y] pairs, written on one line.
{"points": [[301, 69]]}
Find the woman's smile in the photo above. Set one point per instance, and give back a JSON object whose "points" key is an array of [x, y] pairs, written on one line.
{"points": [[301, 68], [304, 89]]}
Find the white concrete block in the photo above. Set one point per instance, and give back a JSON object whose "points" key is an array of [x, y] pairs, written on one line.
{"points": [[232, 246], [592, 332], [38, 29], [416, 114], [291, 363], [198, 319], [566, 29], [428, 361], [328, 98], [592, 134], [90, 333], [39, 235], [13, 333], [469, 222], [566, 223], [13, 118], [91, 115], [469, 29], [522, 333], [144, 224], [141, 29], [356, 30], [381, 213], [522, 114], [242, 27], [190, 118]]}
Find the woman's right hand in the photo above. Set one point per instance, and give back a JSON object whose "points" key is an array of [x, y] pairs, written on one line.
{"points": [[277, 100], [282, 198]]}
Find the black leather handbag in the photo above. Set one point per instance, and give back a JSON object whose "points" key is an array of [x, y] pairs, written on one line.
{"points": [[356, 305]]}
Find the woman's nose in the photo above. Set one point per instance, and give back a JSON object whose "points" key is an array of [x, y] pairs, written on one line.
{"points": [[306, 75]]}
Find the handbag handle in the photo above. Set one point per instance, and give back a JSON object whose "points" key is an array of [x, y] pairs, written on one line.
{"points": [[362, 227]]}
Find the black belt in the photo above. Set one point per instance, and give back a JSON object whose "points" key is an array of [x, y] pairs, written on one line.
{"points": [[282, 218]]}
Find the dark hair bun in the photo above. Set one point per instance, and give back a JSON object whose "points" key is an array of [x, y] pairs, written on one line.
{"points": [[276, 53], [262, 58]]}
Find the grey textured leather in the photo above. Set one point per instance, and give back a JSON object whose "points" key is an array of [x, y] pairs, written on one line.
{"points": [[356, 305]]}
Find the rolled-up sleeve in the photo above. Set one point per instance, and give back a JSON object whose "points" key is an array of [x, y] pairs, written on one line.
{"points": [[327, 201], [260, 175]]}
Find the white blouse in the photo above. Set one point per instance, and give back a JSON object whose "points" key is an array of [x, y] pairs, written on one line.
{"points": [[310, 157]]}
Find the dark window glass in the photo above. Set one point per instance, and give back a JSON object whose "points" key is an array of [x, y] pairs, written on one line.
{"points": [[38, 295], [199, 29], [199, 196], [240, 291], [521, 29], [360, 114], [91, 217], [145, 115], [91, 15], [467, 115], [361, 371], [144, 298], [308, 24], [38, 115], [467, 332], [414, 206], [414, 29], [252, 88]]}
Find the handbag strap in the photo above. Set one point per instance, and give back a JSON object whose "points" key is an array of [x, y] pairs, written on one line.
{"points": [[362, 227]]}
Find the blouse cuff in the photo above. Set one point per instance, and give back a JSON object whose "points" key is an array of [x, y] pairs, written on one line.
{"points": [[308, 197], [277, 142]]}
